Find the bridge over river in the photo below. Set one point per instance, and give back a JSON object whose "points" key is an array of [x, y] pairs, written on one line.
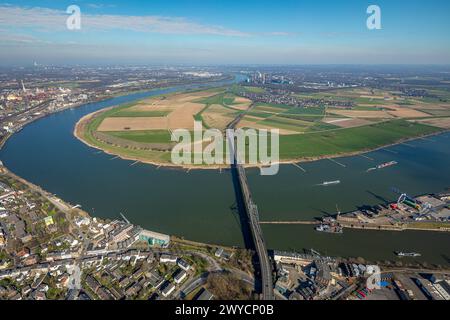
{"points": [[252, 216]]}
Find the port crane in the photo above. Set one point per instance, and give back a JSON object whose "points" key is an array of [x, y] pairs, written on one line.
{"points": [[124, 218], [405, 199], [423, 208], [314, 252]]}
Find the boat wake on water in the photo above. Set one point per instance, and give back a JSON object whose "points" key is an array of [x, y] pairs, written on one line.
{"points": [[328, 183], [402, 254]]}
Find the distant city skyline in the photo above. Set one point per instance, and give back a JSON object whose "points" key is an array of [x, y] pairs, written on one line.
{"points": [[228, 32]]}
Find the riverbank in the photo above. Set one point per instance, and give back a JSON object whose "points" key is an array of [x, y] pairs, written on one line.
{"points": [[81, 127], [57, 202]]}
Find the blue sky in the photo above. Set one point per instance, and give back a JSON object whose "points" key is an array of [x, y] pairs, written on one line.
{"points": [[225, 32]]}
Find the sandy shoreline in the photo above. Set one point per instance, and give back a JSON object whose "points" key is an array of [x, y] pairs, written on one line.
{"points": [[78, 130]]}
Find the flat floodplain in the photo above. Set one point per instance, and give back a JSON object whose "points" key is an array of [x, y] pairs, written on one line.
{"points": [[141, 130], [350, 140]]}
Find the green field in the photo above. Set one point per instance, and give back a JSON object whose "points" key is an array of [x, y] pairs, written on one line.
{"points": [[149, 155], [223, 99], [94, 123], [273, 122], [259, 114], [135, 114], [153, 156], [350, 140], [272, 107], [149, 136], [321, 126], [237, 89], [315, 111], [296, 119], [302, 117]]}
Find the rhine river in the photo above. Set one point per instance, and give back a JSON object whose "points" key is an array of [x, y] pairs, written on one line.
{"points": [[200, 205]]}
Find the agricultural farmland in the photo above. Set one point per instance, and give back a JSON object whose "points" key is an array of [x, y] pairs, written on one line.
{"points": [[142, 130]]}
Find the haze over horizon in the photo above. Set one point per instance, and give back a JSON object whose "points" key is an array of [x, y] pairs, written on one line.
{"points": [[210, 32]]}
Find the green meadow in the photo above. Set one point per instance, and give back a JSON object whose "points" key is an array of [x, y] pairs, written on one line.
{"points": [[341, 141]]}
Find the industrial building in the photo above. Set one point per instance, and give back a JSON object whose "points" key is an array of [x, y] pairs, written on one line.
{"points": [[154, 238]]}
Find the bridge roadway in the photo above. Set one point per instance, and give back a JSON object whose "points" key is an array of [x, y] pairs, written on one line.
{"points": [[253, 218], [261, 249]]}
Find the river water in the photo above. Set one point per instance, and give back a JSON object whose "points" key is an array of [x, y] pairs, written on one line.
{"points": [[200, 205]]}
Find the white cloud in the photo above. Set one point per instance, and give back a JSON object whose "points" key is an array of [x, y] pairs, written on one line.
{"points": [[55, 20], [7, 36], [280, 33], [100, 6]]}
